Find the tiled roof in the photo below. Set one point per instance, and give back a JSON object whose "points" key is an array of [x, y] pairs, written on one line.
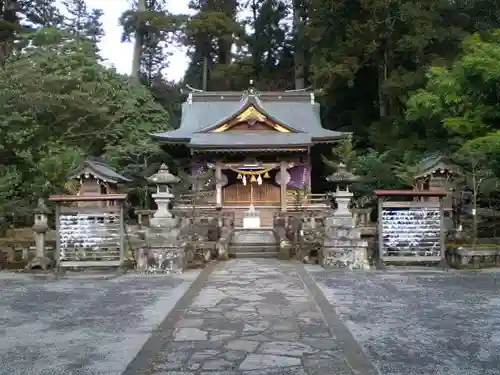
{"points": [[204, 111], [100, 168], [241, 139]]}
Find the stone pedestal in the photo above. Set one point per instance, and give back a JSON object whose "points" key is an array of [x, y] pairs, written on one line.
{"points": [[251, 220], [164, 252], [163, 217], [343, 246]]}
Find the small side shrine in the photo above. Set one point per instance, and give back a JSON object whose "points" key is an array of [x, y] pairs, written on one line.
{"points": [[90, 222], [95, 177], [439, 172], [435, 172]]}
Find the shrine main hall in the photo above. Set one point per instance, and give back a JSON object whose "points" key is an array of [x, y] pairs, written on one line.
{"points": [[257, 143]]}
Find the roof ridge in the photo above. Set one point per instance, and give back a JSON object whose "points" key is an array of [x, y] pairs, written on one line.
{"points": [[271, 96]]}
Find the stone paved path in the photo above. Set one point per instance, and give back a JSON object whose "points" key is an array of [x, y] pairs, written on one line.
{"points": [[251, 317]]}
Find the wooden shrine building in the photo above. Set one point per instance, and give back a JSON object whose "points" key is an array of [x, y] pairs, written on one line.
{"points": [[257, 143], [94, 178]]}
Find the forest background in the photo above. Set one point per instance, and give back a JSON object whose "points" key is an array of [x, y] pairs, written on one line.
{"points": [[409, 78]]}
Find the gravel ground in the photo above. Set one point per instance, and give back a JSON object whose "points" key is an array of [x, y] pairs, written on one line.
{"points": [[420, 321], [82, 324]]}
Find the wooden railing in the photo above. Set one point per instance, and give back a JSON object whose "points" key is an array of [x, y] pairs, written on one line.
{"points": [[202, 198], [296, 201]]}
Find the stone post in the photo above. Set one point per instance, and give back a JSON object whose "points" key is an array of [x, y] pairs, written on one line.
{"points": [[283, 183], [40, 228], [218, 185]]}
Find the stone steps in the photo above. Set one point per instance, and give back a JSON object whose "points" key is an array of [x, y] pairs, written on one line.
{"points": [[258, 254], [253, 243], [253, 248]]}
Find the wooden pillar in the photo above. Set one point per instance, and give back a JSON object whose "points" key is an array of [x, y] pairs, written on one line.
{"points": [[218, 186], [309, 170], [283, 185]]}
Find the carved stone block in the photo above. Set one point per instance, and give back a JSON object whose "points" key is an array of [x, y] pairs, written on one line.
{"points": [[141, 258], [43, 262], [285, 250]]}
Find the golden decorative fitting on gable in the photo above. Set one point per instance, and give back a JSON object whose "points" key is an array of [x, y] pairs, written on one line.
{"points": [[251, 114]]}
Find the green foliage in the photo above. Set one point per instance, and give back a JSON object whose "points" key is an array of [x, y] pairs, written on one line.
{"points": [[157, 29], [377, 170], [59, 105], [463, 98], [83, 23]]}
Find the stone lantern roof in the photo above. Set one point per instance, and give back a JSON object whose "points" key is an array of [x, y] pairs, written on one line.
{"points": [[41, 208], [163, 177], [342, 175]]}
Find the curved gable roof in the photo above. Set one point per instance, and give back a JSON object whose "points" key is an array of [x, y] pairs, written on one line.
{"points": [[100, 169], [248, 102], [205, 111]]}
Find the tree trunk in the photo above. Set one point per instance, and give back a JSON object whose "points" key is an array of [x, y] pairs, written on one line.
{"points": [[382, 77], [205, 74], [254, 52], [474, 220], [8, 14], [136, 59], [299, 55]]}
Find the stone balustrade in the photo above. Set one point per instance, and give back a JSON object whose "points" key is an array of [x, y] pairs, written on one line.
{"points": [[467, 257]]}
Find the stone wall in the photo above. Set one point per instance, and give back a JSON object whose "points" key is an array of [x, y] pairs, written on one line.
{"points": [[198, 237], [303, 235], [17, 254], [463, 257]]}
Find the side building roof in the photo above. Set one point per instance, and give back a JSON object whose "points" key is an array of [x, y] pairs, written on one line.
{"points": [[100, 169], [202, 112]]}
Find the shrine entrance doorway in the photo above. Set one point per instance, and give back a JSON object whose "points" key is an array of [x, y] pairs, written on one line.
{"points": [[252, 193]]}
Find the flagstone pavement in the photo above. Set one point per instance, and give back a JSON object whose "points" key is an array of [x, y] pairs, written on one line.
{"points": [[251, 317]]}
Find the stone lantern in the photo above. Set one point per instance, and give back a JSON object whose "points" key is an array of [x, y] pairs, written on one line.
{"points": [[40, 227], [343, 179], [163, 180], [343, 245]]}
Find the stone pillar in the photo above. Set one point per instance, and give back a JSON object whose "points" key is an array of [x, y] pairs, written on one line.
{"points": [[218, 185], [40, 228], [283, 183]]}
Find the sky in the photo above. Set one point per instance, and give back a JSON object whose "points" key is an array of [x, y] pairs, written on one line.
{"points": [[120, 54]]}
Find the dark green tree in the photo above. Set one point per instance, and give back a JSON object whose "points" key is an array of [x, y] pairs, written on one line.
{"points": [[58, 105], [83, 23]]}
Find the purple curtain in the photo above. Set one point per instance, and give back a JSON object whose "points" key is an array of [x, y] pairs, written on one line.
{"points": [[198, 168], [299, 176]]}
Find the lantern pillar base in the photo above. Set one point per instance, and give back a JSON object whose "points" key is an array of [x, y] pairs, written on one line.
{"points": [[163, 217]]}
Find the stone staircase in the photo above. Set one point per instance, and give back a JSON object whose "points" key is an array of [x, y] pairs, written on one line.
{"points": [[253, 243]]}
